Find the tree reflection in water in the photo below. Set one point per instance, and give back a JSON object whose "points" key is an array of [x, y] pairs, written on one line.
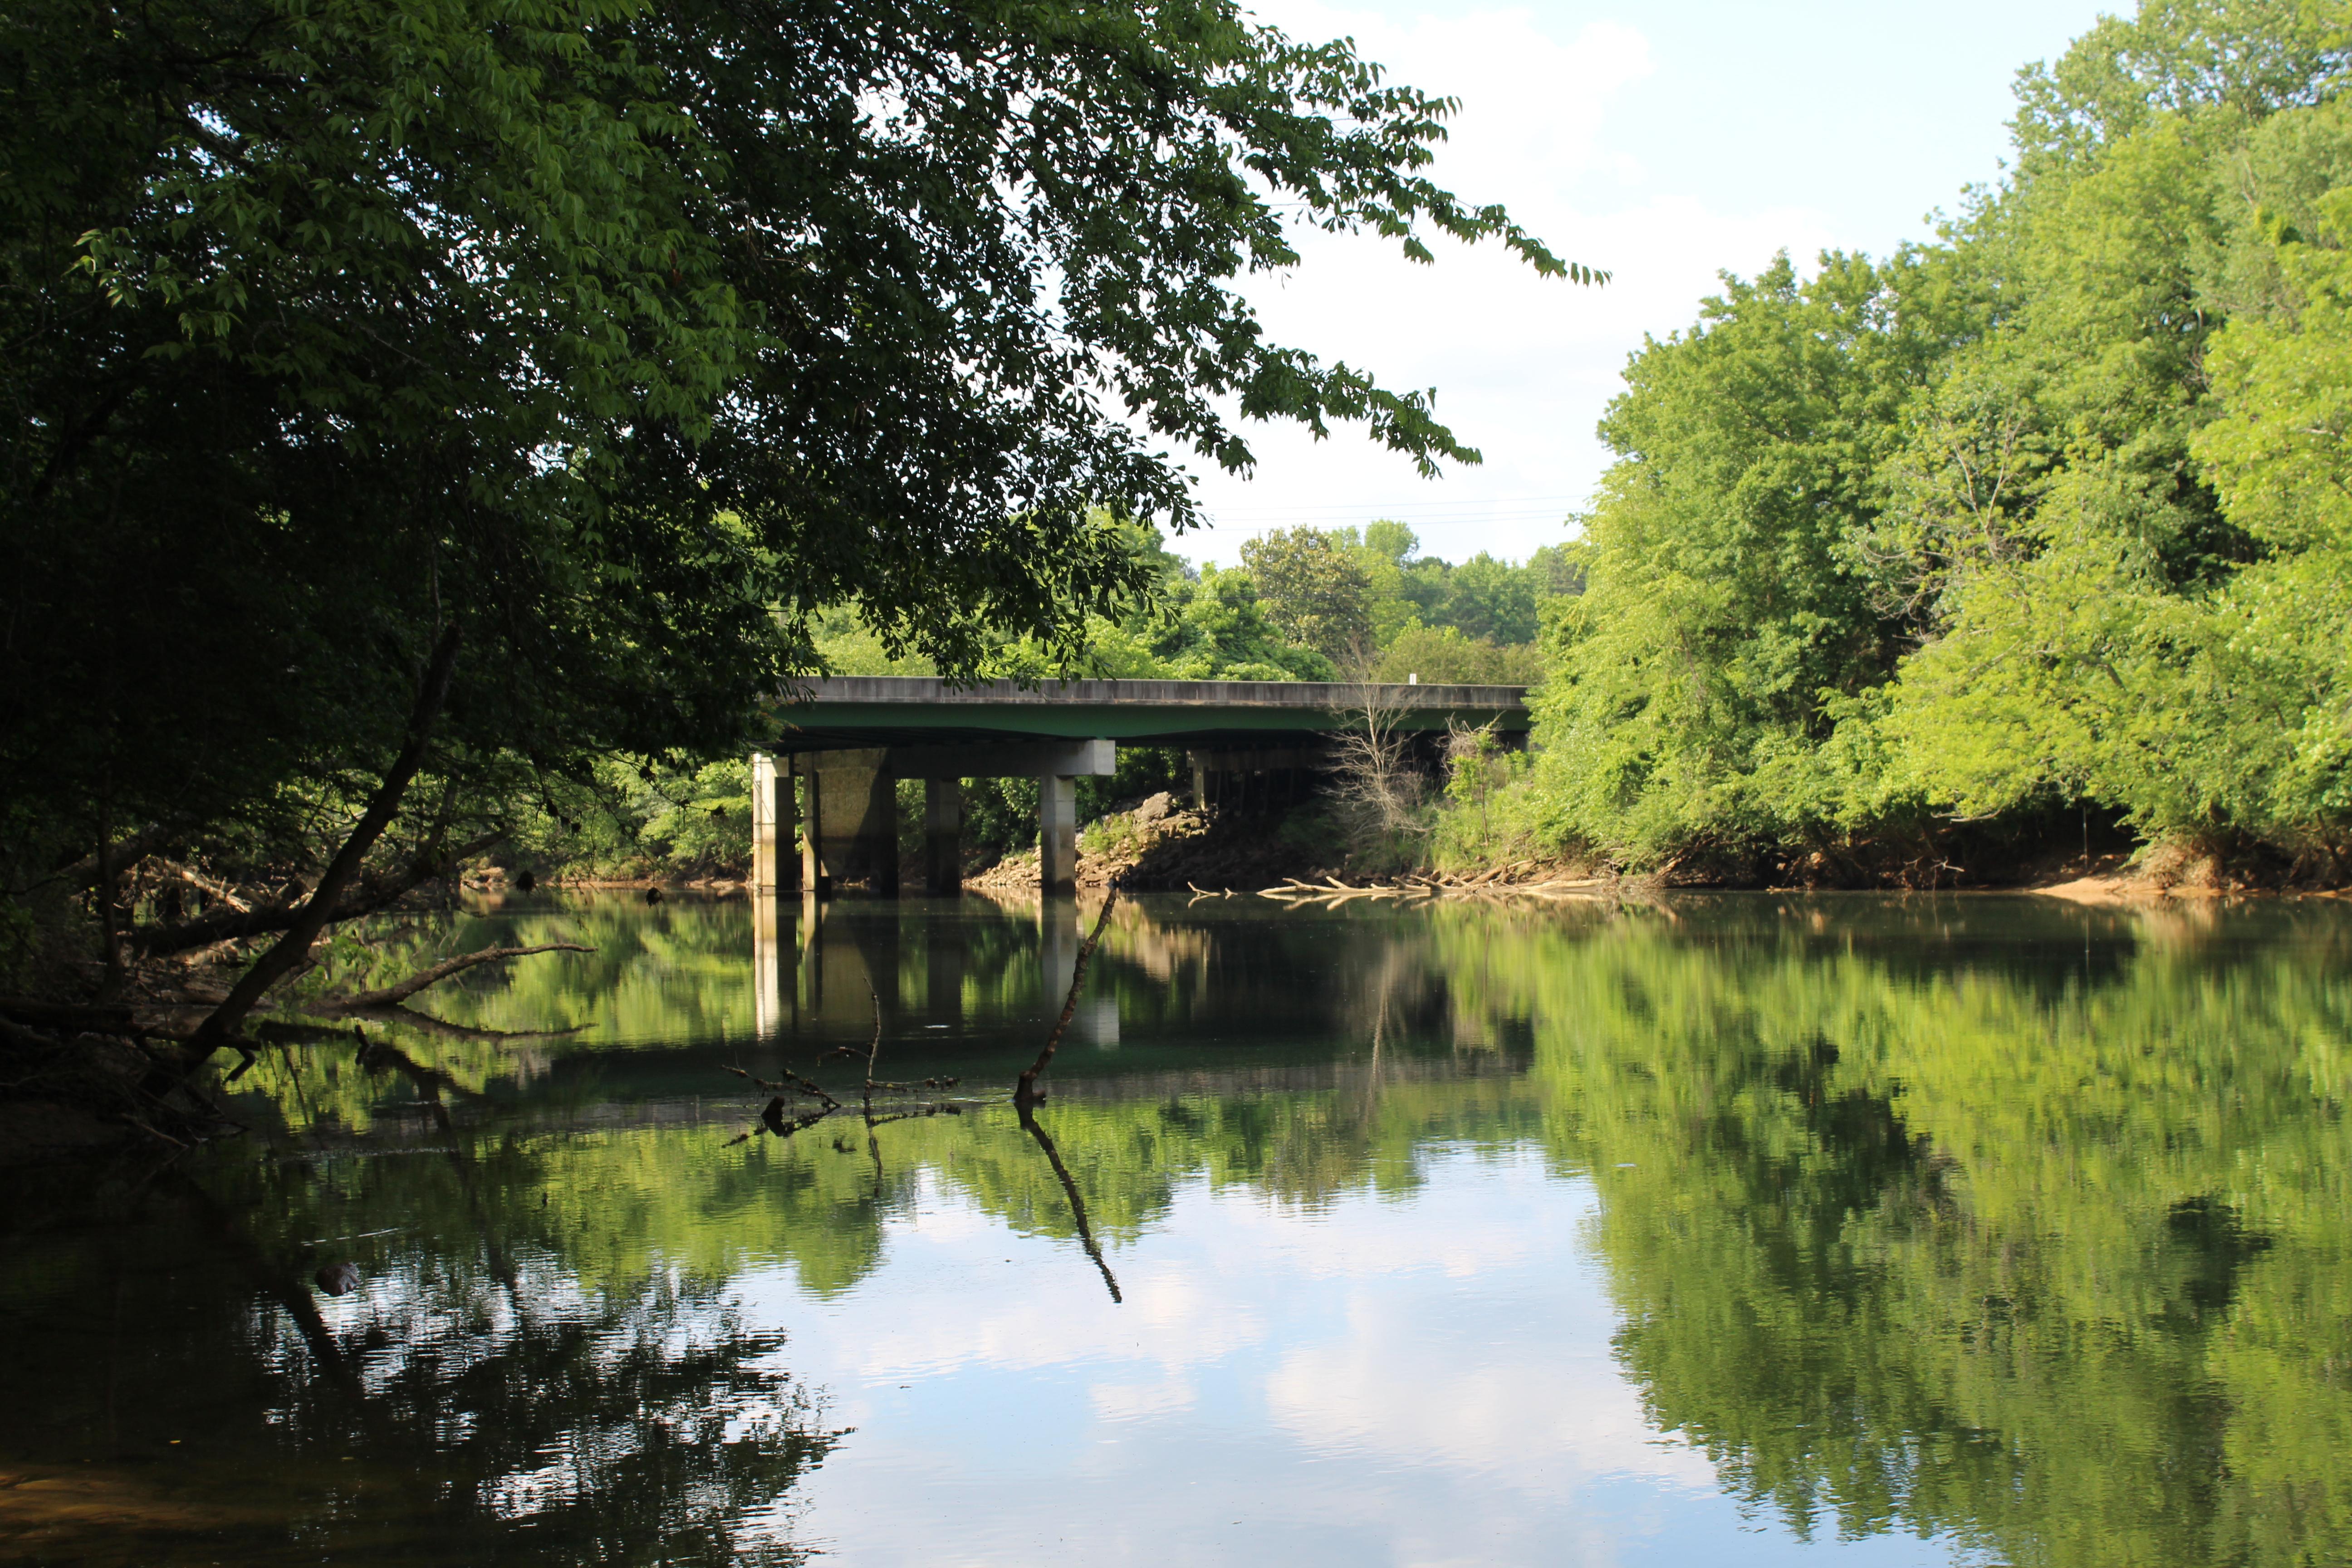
{"points": [[449, 1410], [2011, 1226]]}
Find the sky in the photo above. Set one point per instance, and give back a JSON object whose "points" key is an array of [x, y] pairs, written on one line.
{"points": [[1666, 143]]}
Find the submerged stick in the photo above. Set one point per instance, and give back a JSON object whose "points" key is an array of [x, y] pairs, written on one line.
{"points": [[874, 1048], [1026, 1089], [393, 995], [793, 1082]]}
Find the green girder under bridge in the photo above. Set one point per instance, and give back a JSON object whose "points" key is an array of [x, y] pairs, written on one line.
{"points": [[829, 782]]}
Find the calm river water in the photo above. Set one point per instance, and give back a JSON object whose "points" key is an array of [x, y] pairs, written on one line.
{"points": [[1748, 1229]]}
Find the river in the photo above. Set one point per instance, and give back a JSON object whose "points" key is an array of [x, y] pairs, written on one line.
{"points": [[1747, 1228]]}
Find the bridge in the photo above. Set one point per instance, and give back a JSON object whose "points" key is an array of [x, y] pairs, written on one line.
{"points": [[829, 780]]}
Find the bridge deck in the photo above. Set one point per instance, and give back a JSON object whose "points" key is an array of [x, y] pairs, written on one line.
{"points": [[858, 711]]}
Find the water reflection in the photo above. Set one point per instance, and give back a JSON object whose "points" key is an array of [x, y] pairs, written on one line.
{"points": [[1941, 1230]]}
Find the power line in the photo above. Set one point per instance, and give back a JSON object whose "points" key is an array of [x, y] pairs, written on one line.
{"points": [[1383, 509]]}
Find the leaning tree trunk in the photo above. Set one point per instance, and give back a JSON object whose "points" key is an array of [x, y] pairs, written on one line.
{"points": [[292, 948]]}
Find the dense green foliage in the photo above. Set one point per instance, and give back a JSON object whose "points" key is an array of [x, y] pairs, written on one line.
{"points": [[2042, 519], [1306, 603], [624, 337]]}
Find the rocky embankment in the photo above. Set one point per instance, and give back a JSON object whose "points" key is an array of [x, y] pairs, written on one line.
{"points": [[1160, 843]]}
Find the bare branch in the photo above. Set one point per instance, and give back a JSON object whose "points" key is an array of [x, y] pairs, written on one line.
{"points": [[392, 995]]}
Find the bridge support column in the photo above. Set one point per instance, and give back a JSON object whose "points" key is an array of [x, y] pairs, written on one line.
{"points": [[853, 830], [763, 822], [943, 836], [1057, 834], [775, 824], [812, 878]]}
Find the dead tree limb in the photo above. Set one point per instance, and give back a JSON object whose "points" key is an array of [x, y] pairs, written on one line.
{"points": [[1025, 1091], [791, 1082], [320, 907], [211, 887], [393, 995], [375, 892]]}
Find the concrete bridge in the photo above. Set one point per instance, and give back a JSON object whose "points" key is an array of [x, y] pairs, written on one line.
{"points": [[830, 781]]}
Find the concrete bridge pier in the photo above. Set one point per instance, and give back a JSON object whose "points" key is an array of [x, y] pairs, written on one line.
{"points": [[1057, 834], [853, 822], [848, 809], [775, 824]]}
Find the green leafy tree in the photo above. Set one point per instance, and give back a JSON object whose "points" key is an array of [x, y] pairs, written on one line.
{"points": [[1494, 600], [1444, 654], [1694, 683], [1956, 548], [1314, 591]]}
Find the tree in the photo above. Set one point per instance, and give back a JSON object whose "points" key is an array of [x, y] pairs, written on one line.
{"points": [[1443, 654], [2124, 631], [621, 338], [1314, 590], [2010, 530], [1694, 684]]}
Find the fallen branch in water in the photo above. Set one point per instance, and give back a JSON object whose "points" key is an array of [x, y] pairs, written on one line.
{"points": [[1485, 886], [447, 1030], [791, 1083], [1025, 1091], [394, 994]]}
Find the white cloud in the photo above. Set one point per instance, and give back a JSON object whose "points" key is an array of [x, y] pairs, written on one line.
{"points": [[1524, 365], [1420, 1380]]}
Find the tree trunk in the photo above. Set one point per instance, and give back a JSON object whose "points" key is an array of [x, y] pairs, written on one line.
{"points": [[320, 907]]}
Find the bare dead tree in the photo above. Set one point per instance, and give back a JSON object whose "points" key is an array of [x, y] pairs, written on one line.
{"points": [[1374, 781]]}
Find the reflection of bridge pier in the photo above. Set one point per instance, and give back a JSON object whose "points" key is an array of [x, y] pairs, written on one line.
{"points": [[779, 926], [1060, 934], [821, 965]]}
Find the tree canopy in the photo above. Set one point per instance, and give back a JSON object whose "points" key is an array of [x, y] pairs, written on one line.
{"points": [[2024, 525], [622, 337]]}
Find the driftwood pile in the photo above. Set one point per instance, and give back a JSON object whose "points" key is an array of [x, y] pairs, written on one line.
{"points": [[1494, 884]]}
